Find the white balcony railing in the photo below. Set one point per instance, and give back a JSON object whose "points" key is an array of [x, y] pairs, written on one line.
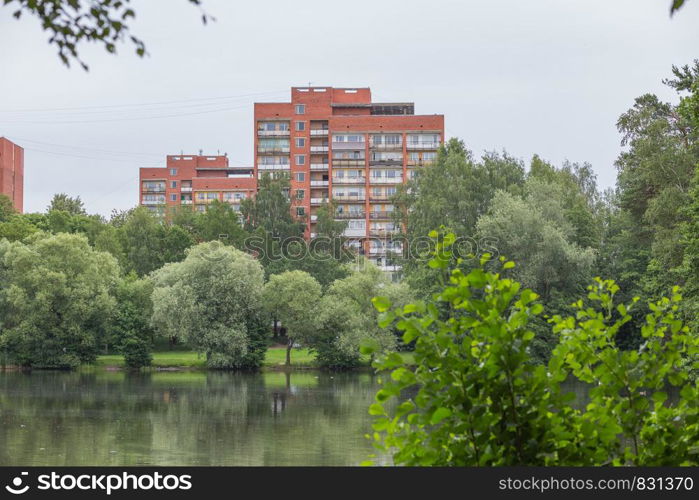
{"points": [[319, 132], [153, 202], [319, 183], [319, 166], [314, 218], [386, 180], [354, 232], [423, 145], [319, 149], [349, 180], [279, 149], [186, 202], [274, 167], [272, 133], [186, 189], [318, 201]]}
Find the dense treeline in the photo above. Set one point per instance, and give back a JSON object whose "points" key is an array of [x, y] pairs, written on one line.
{"points": [[73, 285]]}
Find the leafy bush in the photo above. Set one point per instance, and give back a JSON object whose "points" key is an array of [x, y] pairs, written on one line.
{"points": [[480, 399]]}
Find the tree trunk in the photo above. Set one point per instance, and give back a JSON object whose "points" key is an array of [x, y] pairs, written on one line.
{"points": [[289, 345]]}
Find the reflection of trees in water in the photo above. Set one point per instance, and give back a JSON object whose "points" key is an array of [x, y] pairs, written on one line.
{"points": [[184, 418]]}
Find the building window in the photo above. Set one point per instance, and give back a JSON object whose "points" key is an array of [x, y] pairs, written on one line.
{"points": [[173, 171], [300, 109], [300, 142], [173, 197], [300, 159], [300, 194], [173, 184], [300, 126], [300, 211], [300, 176]]}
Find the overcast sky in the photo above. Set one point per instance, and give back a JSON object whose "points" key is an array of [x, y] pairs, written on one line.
{"points": [[537, 76]]}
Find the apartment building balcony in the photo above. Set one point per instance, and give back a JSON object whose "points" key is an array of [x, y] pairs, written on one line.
{"points": [[354, 232], [319, 149], [423, 146], [350, 215], [272, 150], [153, 202], [186, 202], [319, 132], [391, 268], [385, 214], [342, 198], [313, 235], [382, 232], [349, 163], [386, 180], [355, 146], [185, 189], [319, 166], [318, 201], [154, 190], [380, 197], [349, 180], [387, 147], [319, 183], [419, 163], [393, 162], [384, 250], [314, 218], [273, 133], [206, 201], [280, 166]]}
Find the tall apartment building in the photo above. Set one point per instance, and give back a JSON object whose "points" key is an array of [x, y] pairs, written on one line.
{"points": [[12, 172], [195, 180], [336, 144]]}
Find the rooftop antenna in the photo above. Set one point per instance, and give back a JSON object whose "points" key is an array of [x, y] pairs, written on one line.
{"points": [[310, 83], [201, 152]]}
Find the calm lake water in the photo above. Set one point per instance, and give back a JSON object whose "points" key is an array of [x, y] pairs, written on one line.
{"points": [[187, 418], [184, 418]]}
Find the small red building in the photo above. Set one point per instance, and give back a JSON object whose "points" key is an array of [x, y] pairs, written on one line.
{"points": [[12, 172], [195, 180]]}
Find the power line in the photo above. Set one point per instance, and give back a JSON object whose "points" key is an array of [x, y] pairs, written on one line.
{"points": [[152, 103], [175, 115], [16, 139]]}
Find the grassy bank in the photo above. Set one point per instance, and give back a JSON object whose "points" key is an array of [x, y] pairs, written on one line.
{"points": [[275, 358]]}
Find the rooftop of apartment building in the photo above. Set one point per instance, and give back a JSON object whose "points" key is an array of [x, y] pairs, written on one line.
{"points": [[345, 101]]}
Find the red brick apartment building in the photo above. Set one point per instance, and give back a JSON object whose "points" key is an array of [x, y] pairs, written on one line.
{"points": [[12, 172], [336, 144], [195, 180]]}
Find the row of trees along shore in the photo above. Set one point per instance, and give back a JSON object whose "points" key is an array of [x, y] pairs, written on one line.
{"points": [[73, 285]]}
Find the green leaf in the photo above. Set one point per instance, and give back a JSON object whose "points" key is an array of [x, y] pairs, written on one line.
{"points": [[439, 415], [381, 304]]}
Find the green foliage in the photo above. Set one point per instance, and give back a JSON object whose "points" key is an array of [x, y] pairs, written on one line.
{"points": [[479, 399], [212, 301], [346, 317], [634, 419], [292, 297], [65, 203], [75, 22], [149, 243], [16, 228], [533, 229], [270, 209], [55, 300], [218, 222], [131, 329], [6, 208]]}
